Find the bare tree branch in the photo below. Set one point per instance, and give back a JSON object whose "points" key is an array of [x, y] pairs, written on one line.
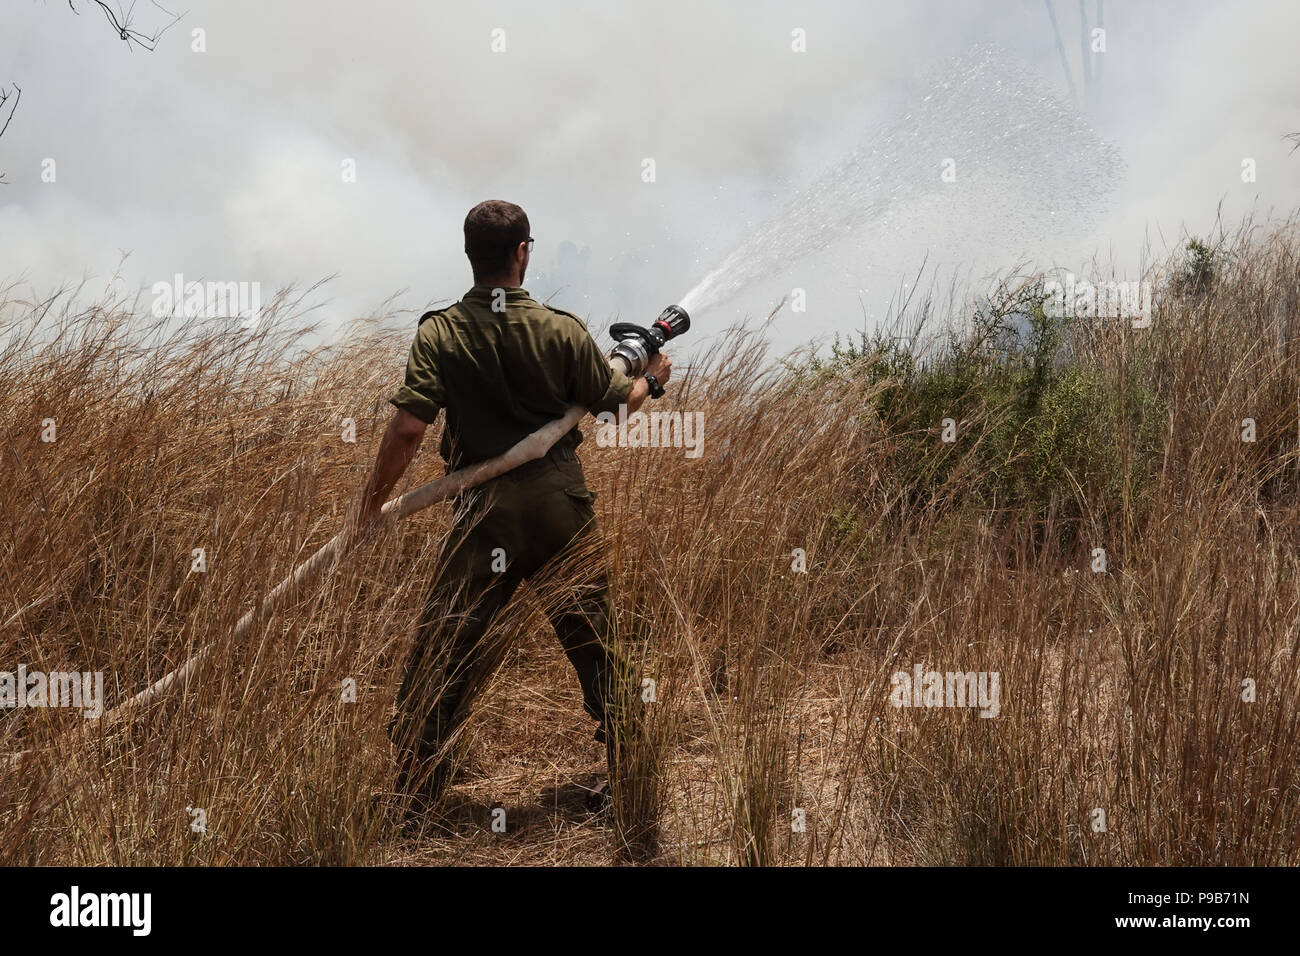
{"points": [[121, 21], [5, 96]]}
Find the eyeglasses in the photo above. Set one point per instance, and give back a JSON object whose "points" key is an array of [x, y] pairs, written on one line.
{"points": [[531, 240]]}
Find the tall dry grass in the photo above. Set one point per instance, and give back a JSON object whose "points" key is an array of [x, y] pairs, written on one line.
{"points": [[1121, 691]]}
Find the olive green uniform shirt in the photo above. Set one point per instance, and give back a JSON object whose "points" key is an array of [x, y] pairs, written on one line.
{"points": [[503, 374]]}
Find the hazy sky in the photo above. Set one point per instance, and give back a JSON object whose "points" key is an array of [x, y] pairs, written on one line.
{"points": [[226, 164]]}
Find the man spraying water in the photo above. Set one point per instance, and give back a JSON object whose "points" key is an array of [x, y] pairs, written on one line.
{"points": [[502, 365]]}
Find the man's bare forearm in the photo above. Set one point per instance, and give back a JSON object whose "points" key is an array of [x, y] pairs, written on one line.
{"points": [[660, 365], [401, 440], [640, 392]]}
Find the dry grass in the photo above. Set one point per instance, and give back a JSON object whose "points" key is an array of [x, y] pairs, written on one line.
{"points": [[1120, 691]]}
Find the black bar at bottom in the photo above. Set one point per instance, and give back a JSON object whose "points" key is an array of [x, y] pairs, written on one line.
{"points": [[945, 906]]}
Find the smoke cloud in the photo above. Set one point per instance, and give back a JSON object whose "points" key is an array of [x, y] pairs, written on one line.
{"points": [[227, 164]]}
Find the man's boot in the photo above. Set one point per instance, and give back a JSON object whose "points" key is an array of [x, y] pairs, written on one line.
{"points": [[598, 797], [422, 780]]}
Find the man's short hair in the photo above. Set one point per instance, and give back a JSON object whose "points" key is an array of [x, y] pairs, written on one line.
{"points": [[493, 231]]}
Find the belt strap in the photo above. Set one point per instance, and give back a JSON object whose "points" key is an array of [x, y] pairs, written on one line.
{"points": [[562, 451]]}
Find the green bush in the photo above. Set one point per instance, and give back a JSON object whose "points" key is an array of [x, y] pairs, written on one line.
{"points": [[1042, 425]]}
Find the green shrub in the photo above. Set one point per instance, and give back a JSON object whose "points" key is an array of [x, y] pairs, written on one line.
{"points": [[1042, 425]]}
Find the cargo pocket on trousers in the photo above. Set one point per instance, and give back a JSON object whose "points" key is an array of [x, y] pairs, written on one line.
{"points": [[582, 499]]}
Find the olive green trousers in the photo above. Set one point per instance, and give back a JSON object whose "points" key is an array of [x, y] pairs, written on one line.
{"points": [[537, 524]]}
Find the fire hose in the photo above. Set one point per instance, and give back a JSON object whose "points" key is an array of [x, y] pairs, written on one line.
{"points": [[634, 348]]}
